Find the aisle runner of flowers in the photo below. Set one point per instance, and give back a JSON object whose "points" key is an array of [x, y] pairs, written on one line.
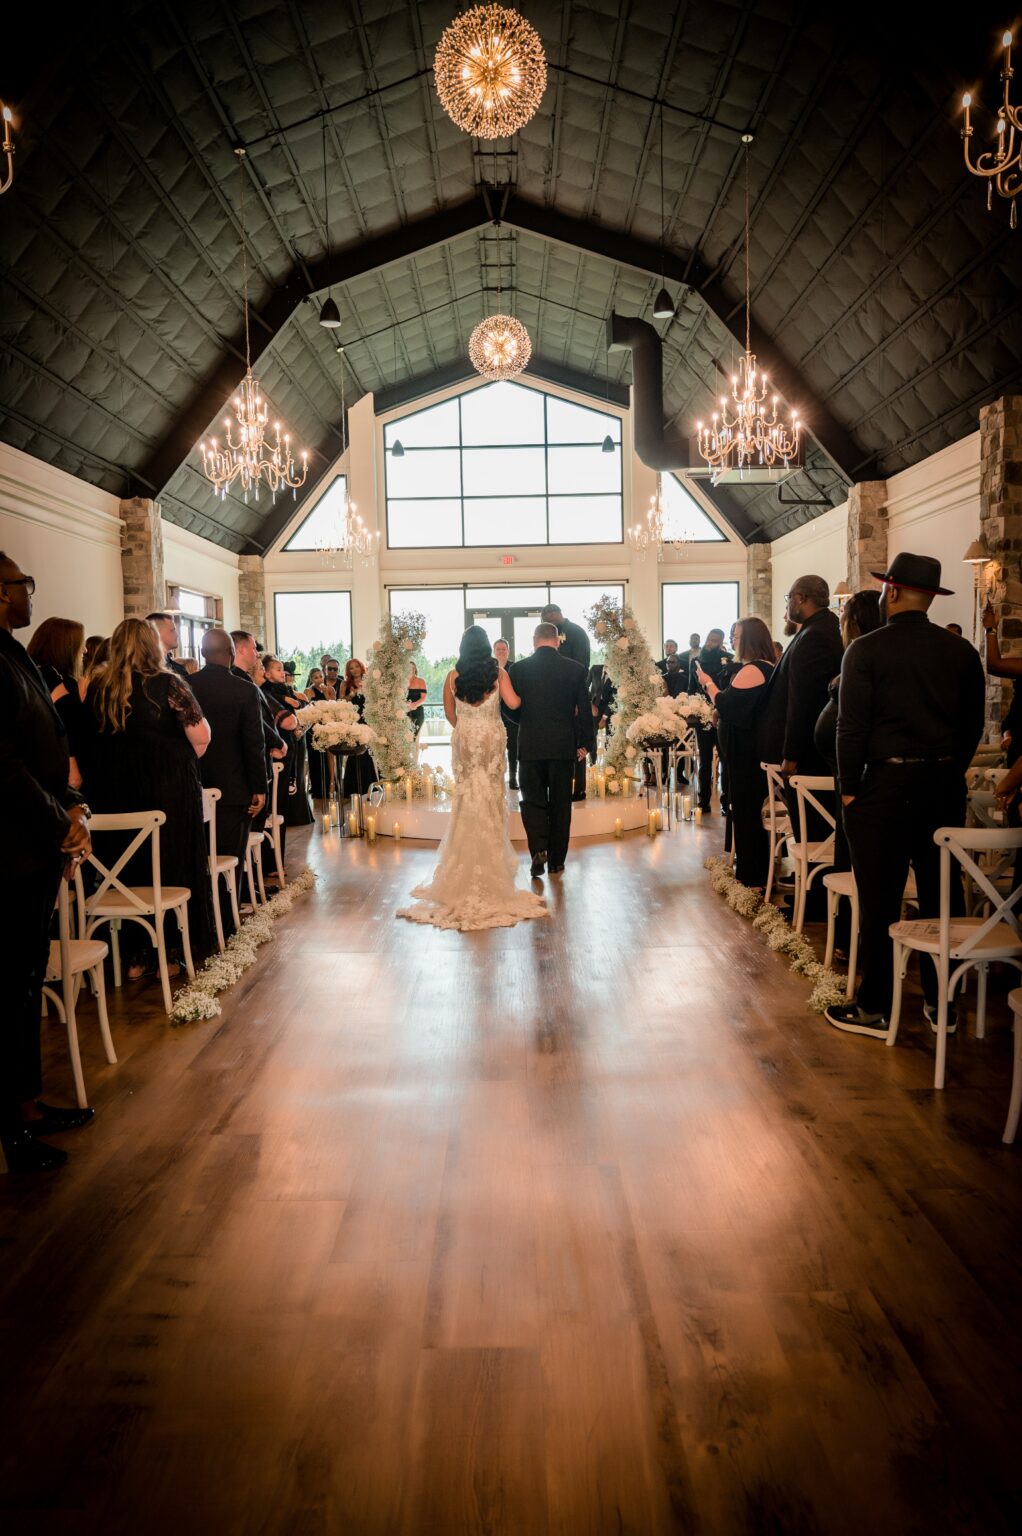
{"points": [[828, 985], [197, 1000]]}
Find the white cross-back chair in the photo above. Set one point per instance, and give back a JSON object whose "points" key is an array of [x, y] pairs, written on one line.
{"points": [[809, 858], [70, 960], [114, 901], [254, 869], [274, 822], [776, 820], [1015, 1102], [222, 866], [841, 883], [995, 934]]}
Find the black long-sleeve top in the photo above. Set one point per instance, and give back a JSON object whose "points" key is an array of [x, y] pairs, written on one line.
{"points": [[910, 689], [34, 761]]}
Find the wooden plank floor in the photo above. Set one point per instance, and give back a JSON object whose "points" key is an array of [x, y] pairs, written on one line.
{"points": [[587, 1226]]}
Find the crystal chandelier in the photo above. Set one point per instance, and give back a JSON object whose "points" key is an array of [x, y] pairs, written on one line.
{"points": [[353, 538], [490, 71], [747, 434], [248, 456], [7, 149], [499, 347], [1001, 167]]}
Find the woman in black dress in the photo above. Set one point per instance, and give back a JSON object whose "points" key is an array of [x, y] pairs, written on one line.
{"points": [[319, 771], [417, 691], [738, 707], [293, 795], [141, 739], [58, 650], [359, 772]]}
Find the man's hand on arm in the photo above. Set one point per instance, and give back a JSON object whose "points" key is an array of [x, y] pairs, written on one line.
{"points": [[788, 767], [256, 804], [77, 844]]}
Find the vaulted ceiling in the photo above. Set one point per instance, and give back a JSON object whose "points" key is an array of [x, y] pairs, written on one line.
{"points": [[880, 285]]}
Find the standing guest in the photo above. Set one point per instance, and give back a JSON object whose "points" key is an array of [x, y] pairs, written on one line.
{"points": [[319, 777], [46, 835], [695, 645], [248, 665], [712, 661], [502, 656], [778, 650], [332, 678], [360, 771], [234, 762], [798, 692], [574, 645], [165, 626], [92, 645], [910, 715], [954, 629], [670, 649], [95, 661], [58, 649], [738, 707], [293, 805], [142, 736], [417, 691], [675, 682]]}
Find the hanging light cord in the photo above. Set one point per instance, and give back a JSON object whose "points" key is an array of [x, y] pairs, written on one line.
{"points": [[663, 227], [244, 259], [748, 291]]}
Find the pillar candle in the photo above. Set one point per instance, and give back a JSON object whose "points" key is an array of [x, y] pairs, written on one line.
{"points": [[352, 825], [429, 787], [387, 789], [601, 785], [686, 806], [396, 831], [619, 830], [699, 815], [408, 790], [651, 823], [659, 817], [370, 829]]}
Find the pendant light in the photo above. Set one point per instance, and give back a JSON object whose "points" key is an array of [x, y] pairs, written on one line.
{"points": [[329, 314], [663, 304]]}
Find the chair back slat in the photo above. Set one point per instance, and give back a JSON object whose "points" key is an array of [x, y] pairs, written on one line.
{"points": [[804, 785], [146, 826], [959, 843]]}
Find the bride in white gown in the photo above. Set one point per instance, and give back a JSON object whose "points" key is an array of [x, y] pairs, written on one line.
{"points": [[473, 885]]}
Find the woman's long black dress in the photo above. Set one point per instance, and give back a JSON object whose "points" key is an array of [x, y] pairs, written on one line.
{"points": [[359, 772], [292, 795], [319, 771], [151, 766], [738, 711], [417, 716]]}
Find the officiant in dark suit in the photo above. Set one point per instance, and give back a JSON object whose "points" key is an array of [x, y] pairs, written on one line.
{"points": [[555, 733], [574, 645]]}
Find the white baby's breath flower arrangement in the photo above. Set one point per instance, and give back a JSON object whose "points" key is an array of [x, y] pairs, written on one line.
{"points": [[335, 723], [656, 725], [631, 670], [386, 694], [691, 708]]}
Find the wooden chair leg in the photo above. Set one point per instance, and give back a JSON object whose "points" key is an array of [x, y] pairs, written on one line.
{"points": [[1015, 1103], [981, 1002], [940, 1064], [99, 988], [217, 919], [260, 882], [181, 913], [72, 1045], [232, 887], [115, 948], [161, 957], [832, 901], [900, 963]]}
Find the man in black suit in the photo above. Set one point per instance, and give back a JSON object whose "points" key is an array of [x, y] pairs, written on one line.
{"points": [[166, 627], [46, 832], [574, 645], [234, 762], [248, 665], [554, 717], [713, 661], [502, 654]]}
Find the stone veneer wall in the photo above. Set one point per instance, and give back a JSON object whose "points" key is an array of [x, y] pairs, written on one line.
{"points": [[867, 533], [142, 557], [252, 596], [759, 582], [1000, 518]]}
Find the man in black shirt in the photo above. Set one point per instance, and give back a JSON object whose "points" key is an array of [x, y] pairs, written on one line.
{"points": [[713, 661], [574, 645], [910, 715], [46, 833], [670, 649]]}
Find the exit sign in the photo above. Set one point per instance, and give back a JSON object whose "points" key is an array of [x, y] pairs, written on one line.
{"points": [[507, 559]]}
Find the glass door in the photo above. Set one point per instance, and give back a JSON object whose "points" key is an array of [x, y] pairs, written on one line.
{"points": [[515, 625]]}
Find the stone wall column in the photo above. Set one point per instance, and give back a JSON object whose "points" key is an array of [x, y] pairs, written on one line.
{"points": [[142, 557], [759, 583], [252, 596], [867, 533], [1000, 519]]}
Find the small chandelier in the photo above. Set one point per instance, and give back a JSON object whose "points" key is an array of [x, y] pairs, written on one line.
{"points": [[650, 533], [499, 347], [7, 148], [490, 71], [354, 539], [247, 455], [1000, 167], [746, 434]]}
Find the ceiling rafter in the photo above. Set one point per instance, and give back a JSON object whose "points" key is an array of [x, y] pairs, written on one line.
{"points": [[650, 135]]}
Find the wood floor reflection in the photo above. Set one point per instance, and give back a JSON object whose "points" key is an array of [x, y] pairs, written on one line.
{"points": [[586, 1226]]}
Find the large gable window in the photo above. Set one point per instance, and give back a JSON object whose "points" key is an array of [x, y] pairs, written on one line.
{"points": [[503, 464]]}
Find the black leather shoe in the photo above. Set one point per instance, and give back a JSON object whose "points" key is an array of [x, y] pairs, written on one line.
{"points": [[26, 1155], [54, 1120], [538, 865], [557, 869], [512, 783]]}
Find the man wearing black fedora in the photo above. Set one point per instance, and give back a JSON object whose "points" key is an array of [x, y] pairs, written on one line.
{"points": [[910, 715]]}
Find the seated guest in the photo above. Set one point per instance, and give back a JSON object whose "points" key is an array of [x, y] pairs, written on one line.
{"points": [[712, 661], [234, 762], [502, 656], [778, 650], [954, 629], [191, 666], [46, 835], [417, 691], [57, 648], [165, 626], [738, 707], [910, 715], [142, 735]]}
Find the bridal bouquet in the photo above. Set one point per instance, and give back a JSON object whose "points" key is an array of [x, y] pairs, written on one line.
{"points": [[335, 723]]}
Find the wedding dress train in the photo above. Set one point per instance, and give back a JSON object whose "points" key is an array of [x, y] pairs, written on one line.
{"points": [[473, 885]]}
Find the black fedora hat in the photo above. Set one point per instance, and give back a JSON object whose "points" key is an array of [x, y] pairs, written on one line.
{"points": [[921, 573]]}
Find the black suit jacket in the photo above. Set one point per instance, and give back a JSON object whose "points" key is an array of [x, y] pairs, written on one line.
{"points": [[575, 644], [797, 693], [34, 761], [555, 717], [234, 762]]}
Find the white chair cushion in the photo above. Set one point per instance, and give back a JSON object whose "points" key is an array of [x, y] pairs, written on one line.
{"points": [[114, 904], [85, 953], [924, 933]]}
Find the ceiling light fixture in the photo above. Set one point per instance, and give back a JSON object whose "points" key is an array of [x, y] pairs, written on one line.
{"points": [[608, 444], [500, 346], [397, 448], [349, 536], [650, 534], [1000, 167], [251, 457], [663, 304], [8, 147], [746, 435], [490, 71], [329, 315]]}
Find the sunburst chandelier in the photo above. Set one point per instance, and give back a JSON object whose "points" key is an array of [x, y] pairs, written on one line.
{"points": [[490, 71], [248, 456], [1001, 167], [499, 347], [747, 434], [7, 148]]}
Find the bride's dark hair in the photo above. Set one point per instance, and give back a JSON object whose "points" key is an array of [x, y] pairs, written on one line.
{"points": [[477, 670]]}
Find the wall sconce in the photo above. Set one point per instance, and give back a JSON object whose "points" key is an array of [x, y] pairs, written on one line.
{"points": [[978, 556], [842, 594], [7, 149]]}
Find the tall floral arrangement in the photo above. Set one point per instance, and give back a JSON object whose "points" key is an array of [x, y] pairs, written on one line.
{"points": [[386, 692], [631, 670]]}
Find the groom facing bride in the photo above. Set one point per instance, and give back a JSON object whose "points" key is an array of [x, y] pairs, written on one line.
{"points": [[555, 731]]}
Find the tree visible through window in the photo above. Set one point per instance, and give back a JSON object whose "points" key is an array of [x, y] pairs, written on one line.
{"points": [[308, 625]]}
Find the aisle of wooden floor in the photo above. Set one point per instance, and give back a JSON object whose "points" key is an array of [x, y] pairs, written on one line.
{"points": [[584, 1227]]}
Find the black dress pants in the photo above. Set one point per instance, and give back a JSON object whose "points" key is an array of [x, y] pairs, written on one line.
{"points": [[546, 806], [890, 826], [27, 915], [747, 786], [706, 740], [233, 824]]}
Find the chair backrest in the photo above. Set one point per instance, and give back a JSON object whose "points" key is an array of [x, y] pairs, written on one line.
{"points": [[209, 800], [807, 787], [146, 827], [960, 843]]}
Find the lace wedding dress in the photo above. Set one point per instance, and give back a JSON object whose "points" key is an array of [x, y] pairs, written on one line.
{"points": [[473, 885]]}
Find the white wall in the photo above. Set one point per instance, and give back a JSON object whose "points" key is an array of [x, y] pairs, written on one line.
{"points": [[196, 563], [819, 548], [66, 534], [933, 509]]}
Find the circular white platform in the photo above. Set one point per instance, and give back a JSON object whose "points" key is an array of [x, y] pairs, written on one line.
{"points": [[591, 818]]}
